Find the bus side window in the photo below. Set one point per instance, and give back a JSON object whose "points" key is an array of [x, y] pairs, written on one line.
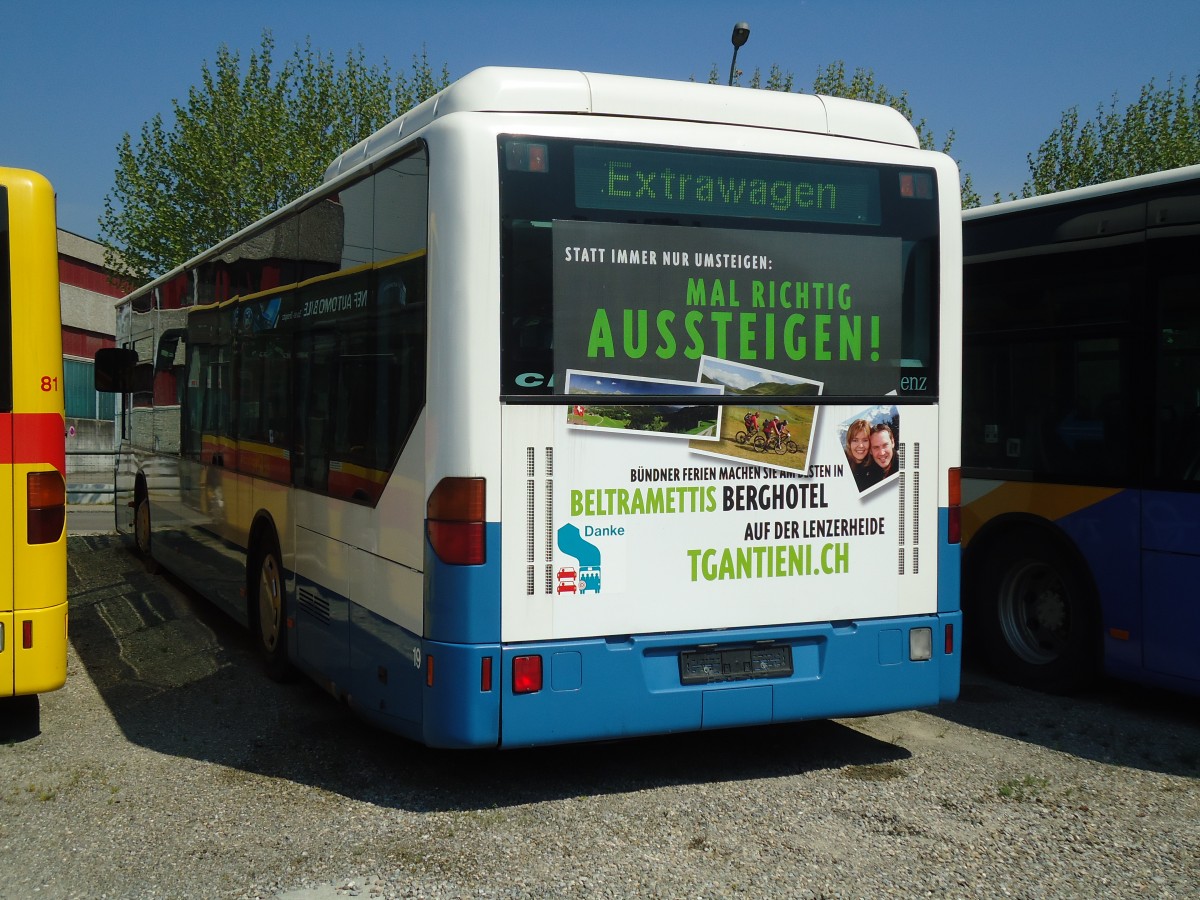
{"points": [[1052, 326], [315, 358], [192, 401], [1176, 454], [264, 403]]}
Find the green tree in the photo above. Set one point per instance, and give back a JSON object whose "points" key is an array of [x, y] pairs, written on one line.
{"points": [[1160, 130], [862, 85], [245, 142]]}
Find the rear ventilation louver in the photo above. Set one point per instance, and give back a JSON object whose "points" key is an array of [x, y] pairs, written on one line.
{"points": [[908, 515], [539, 519]]}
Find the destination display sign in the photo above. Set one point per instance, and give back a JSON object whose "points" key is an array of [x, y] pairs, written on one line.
{"points": [[680, 183]]}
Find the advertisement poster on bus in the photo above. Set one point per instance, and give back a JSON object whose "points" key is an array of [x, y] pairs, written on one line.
{"points": [[698, 488], [651, 301]]}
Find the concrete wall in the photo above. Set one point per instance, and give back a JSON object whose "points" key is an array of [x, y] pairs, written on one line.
{"points": [[90, 447]]}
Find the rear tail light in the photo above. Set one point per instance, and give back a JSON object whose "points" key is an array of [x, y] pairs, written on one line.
{"points": [[454, 521], [485, 674], [46, 494], [527, 674]]}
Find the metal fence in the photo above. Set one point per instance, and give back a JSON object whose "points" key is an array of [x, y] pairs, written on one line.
{"points": [[90, 476]]}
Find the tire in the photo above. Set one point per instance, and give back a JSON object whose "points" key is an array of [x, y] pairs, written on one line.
{"points": [[141, 524], [142, 533], [760, 443], [1037, 616], [792, 447], [268, 609], [741, 437]]}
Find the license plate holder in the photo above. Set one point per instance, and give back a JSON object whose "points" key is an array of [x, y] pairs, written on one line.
{"points": [[709, 665]]}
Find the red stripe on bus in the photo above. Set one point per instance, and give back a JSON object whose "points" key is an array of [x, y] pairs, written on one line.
{"points": [[33, 438]]}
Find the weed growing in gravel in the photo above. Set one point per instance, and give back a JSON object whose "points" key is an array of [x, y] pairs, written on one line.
{"points": [[880, 772], [42, 794], [1022, 789]]}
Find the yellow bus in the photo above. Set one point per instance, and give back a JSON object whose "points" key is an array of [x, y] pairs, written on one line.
{"points": [[33, 542]]}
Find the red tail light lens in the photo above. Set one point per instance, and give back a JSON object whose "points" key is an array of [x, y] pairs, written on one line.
{"points": [[46, 502], [455, 523], [527, 674], [485, 674], [458, 543]]}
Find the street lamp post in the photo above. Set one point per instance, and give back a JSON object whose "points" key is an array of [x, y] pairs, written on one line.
{"points": [[741, 34]]}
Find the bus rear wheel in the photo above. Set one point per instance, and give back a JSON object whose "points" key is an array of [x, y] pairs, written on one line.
{"points": [[1037, 614]]}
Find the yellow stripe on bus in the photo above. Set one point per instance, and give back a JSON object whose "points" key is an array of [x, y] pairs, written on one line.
{"points": [[985, 500]]}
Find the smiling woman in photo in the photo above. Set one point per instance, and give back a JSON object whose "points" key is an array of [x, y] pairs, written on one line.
{"points": [[858, 451]]}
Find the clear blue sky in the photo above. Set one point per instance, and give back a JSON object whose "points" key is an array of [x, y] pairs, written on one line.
{"points": [[77, 74]]}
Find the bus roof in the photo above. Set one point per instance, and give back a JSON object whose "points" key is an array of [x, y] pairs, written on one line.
{"points": [[499, 89], [502, 89], [1106, 189]]}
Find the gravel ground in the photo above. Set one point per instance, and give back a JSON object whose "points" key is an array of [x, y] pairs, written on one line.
{"points": [[169, 766]]}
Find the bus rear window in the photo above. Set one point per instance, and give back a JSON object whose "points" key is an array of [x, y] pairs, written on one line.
{"points": [[647, 264]]}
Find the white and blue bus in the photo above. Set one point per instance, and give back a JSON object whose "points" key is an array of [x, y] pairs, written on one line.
{"points": [[1081, 520], [574, 407]]}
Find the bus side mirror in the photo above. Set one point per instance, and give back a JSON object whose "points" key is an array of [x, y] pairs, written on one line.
{"points": [[113, 373]]}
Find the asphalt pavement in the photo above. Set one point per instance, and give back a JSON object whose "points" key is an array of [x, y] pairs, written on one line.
{"points": [[91, 518]]}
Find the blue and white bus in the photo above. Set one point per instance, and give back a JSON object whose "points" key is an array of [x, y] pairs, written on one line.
{"points": [[1081, 520], [574, 407]]}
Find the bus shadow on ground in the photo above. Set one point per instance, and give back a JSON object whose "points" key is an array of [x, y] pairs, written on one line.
{"points": [[182, 679], [1114, 723]]}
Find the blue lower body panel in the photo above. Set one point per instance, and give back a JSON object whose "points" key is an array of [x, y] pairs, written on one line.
{"points": [[605, 688], [461, 695], [453, 688], [600, 689]]}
